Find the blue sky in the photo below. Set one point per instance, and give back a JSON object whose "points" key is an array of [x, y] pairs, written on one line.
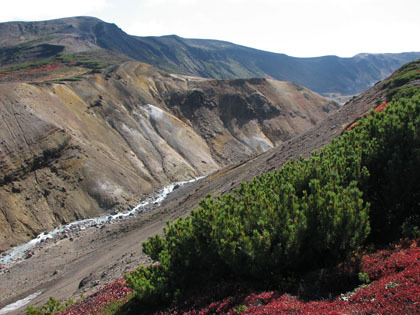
{"points": [[301, 28]]}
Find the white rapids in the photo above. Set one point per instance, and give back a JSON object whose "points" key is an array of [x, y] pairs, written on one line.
{"points": [[19, 252], [18, 304]]}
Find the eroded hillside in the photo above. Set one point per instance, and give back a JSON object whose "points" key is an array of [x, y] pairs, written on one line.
{"points": [[76, 149]]}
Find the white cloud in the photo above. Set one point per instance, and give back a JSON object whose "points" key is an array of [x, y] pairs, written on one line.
{"points": [[294, 27], [30, 10]]}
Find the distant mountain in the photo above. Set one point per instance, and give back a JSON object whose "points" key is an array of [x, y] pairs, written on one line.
{"points": [[22, 41], [216, 59]]}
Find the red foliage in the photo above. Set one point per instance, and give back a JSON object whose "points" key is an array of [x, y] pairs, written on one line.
{"points": [[24, 73], [381, 107], [385, 263], [114, 291], [397, 286], [46, 67], [291, 305], [377, 109], [396, 290]]}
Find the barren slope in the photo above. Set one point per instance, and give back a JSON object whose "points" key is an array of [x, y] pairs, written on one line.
{"points": [[76, 149]]}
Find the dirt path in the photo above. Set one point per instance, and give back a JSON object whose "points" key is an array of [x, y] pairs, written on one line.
{"points": [[95, 256]]}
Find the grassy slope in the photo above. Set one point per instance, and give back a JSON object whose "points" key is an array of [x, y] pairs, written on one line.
{"points": [[60, 67]]}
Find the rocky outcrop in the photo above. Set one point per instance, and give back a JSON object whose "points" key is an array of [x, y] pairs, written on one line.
{"points": [[72, 150]]}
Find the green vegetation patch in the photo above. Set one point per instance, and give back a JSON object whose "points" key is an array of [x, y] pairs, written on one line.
{"points": [[57, 68], [408, 73], [28, 51], [22, 66], [84, 59], [51, 307]]}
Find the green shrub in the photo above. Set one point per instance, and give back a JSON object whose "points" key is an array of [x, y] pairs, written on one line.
{"points": [[270, 226], [408, 73], [52, 306], [393, 160], [364, 278], [151, 284], [241, 308]]}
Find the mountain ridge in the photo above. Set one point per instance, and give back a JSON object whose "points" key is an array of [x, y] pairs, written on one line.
{"points": [[209, 58]]}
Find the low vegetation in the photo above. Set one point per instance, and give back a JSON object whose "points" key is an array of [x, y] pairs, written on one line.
{"points": [[52, 306], [407, 73], [394, 289], [405, 82], [63, 67], [84, 59], [105, 301]]}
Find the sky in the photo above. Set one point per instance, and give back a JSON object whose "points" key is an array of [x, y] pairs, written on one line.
{"points": [[300, 28]]}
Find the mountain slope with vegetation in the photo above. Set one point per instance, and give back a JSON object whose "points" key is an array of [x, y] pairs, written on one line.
{"points": [[20, 41], [385, 281], [87, 132], [354, 195], [360, 188]]}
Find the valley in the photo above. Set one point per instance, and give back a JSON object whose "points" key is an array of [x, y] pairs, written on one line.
{"points": [[74, 150], [135, 131]]}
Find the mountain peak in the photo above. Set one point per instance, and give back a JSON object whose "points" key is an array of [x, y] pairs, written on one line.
{"points": [[198, 57]]}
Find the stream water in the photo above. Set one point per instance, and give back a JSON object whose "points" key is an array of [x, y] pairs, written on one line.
{"points": [[19, 304], [19, 252]]}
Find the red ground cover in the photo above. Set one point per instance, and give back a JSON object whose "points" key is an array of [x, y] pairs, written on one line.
{"points": [[381, 107], [377, 109], [114, 291], [394, 289], [23, 73]]}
